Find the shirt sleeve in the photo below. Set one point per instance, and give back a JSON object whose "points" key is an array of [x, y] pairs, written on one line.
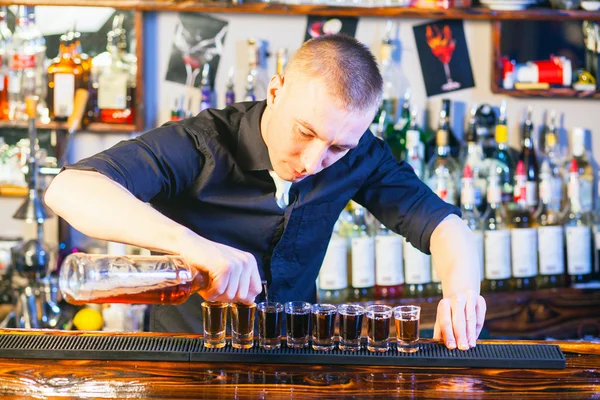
{"points": [[401, 201], [157, 165]]}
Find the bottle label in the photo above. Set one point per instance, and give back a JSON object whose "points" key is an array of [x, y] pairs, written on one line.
{"points": [[551, 250], [363, 262], [334, 270], [579, 250], [389, 264], [523, 243], [64, 94], [497, 254], [478, 244], [21, 62], [597, 240], [586, 194], [557, 194], [112, 90], [531, 193], [417, 265]]}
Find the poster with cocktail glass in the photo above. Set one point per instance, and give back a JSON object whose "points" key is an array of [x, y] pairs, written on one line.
{"points": [[198, 40], [444, 56]]}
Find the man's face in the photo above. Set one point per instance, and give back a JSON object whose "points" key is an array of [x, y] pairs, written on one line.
{"points": [[306, 130]]}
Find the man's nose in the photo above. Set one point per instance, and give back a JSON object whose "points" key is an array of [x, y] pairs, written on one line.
{"points": [[314, 157]]}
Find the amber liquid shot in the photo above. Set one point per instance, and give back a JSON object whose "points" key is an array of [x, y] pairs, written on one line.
{"points": [[407, 328], [323, 326], [351, 321], [242, 325], [270, 317], [378, 318], [214, 315]]}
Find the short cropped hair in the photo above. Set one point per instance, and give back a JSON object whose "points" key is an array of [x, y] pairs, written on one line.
{"points": [[346, 65]]}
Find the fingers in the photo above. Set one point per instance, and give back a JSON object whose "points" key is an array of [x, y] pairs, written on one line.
{"points": [[444, 317], [235, 279], [471, 320], [459, 303], [481, 309]]}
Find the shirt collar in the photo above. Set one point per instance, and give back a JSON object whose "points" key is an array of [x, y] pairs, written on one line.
{"points": [[252, 152]]}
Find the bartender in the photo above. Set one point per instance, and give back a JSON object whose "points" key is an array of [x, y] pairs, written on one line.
{"points": [[252, 192]]}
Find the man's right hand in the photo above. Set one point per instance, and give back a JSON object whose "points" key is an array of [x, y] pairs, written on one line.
{"points": [[233, 273]]}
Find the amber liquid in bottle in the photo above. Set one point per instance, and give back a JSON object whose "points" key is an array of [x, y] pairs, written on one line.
{"points": [[65, 76]]}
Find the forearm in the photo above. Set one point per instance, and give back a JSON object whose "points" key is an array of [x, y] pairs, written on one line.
{"points": [[101, 208], [455, 256]]}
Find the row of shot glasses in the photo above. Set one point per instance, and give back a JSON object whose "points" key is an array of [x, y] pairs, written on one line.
{"points": [[300, 316]]}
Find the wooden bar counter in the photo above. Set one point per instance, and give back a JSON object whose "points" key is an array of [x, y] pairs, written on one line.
{"points": [[26, 378]]}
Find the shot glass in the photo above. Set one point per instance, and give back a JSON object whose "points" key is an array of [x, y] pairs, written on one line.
{"points": [[351, 320], [214, 315], [379, 318], [323, 326], [242, 325], [297, 314], [407, 328], [270, 315]]}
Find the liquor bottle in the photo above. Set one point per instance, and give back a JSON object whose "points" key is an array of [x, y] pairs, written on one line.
{"points": [[552, 157], [502, 159], [333, 278], [281, 61], [596, 222], [78, 54], [417, 272], [250, 80], [471, 215], [528, 156], [205, 90], [485, 121], [414, 146], [230, 92], [39, 41], [363, 258], [65, 76], [497, 264], [86, 62], [114, 79], [578, 232], [5, 43], [99, 278], [550, 233], [178, 113], [586, 171], [444, 125], [22, 67], [443, 164], [523, 236], [473, 157], [389, 264]]}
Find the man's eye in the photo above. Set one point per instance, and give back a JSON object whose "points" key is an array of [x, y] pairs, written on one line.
{"points": [[337, 149], [304, 134]]}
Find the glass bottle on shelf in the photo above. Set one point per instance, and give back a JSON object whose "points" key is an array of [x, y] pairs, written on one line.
{"points": [[114, 79], [363, 257], [333, 277], [530, 164], [417, 272], [586, 171], [523, 235], [99, 278], [471, 215], [389, 264], [502, 159], [40, 61], [230, 92], [414, 146], [553, 158], [445, 126], [550, 233], [65, 76], [578, 232], [205, 89], [22, 79], [5, 42], [497, 262], [474, 158]]}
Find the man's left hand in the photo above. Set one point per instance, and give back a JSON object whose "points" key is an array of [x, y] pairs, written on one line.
{"points": [[460, 319]]}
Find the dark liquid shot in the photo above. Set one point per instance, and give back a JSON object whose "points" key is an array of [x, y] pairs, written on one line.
{"points": [[269, 321], [408, 330], [297, 325], [350, 326], [323, 326], [378, 329], [214, 321], [243, 318]]}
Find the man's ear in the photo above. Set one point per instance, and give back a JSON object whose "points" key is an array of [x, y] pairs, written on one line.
{"points": [[274, 89]]}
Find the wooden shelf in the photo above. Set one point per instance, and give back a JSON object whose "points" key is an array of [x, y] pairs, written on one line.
{"points": [[559, 92], [287, 9], [93, 127]]}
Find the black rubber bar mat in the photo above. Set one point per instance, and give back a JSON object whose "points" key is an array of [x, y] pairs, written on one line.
{"points": [[533, 356]]}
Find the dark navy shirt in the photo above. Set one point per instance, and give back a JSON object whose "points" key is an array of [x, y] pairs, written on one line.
{"points": [[210, 173]]}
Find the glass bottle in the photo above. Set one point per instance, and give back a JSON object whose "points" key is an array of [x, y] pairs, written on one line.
{"points": [[471, 215], [205, 89], [230, 92], [65, 76], [474, 158], [444, 125], [553, 158], [250, 87], [22, 67], [281, 61], [523, 235], [389, 264], [503, 161], [333, 277], [414, 146], [417, 272], [497, 263], [586, 171], [550, 233], [99, 278], [5, 43], [529, 159], [363, 257], [40, 59], [578, 232]]}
